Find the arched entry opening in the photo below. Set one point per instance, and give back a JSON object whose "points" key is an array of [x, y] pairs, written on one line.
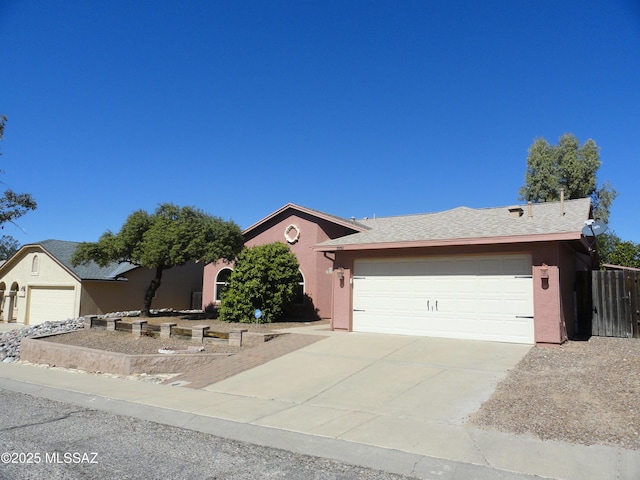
{"points": [[3, 287], [13, 298]]}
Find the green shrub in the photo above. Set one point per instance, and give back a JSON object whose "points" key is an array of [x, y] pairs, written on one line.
{"points": [[266, 278]]}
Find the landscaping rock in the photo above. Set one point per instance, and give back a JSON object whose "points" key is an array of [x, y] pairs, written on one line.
{"points": [[10, 341]]}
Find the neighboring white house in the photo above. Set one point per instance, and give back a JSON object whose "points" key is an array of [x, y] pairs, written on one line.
{"points": [[39, 284]]}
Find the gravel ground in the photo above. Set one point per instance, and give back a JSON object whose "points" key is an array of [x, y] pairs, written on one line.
{"points": [[582, 392]]}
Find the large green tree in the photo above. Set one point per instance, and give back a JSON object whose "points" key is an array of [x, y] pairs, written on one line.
{"points": [[574, 167], [167, 238], [615, 251], [265, 278], [12, 205], [570, 166]]}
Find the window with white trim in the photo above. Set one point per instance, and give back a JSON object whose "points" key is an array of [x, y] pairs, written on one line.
{"points": [[35, 265], [299, 296], [222, 283]]}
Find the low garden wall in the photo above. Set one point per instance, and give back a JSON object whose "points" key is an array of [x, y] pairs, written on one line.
{"points": [[69, 356]]}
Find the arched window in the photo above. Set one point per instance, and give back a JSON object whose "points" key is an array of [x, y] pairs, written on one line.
{"points": [[35, 265], [299, 298], [222, 283]]}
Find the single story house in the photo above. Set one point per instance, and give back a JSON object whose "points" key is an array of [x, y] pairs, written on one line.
{"points": [[500, 274], [39, 283]]}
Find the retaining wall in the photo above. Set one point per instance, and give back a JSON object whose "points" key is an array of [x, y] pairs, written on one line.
{"points": [[70, 356]]}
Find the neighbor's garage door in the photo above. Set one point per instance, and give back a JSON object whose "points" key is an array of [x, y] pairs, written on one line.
{"points": [[475, 297], [51, 304]]}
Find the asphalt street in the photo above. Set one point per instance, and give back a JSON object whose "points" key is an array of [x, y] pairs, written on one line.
{"points": [[42, 438]]}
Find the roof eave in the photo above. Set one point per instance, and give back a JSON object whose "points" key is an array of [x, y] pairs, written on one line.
{"points": [[610, 266], [115, 279], [13, 260], [547, 237], [315, 213]]}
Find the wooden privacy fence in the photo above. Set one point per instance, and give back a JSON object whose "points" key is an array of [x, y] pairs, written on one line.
{"points": [[615, 303]]}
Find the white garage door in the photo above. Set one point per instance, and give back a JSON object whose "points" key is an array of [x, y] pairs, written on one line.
{"points": [[475, 297], [51, 304]]}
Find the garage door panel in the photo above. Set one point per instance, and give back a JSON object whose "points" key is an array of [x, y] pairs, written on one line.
{"points": [[487, 297], [459, 307], [491, 284], [50, 304], [491, 304], [517, 307], [463, 285]]}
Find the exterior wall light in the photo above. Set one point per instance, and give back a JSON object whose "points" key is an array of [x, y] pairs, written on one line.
{"points": [[544, 271]]}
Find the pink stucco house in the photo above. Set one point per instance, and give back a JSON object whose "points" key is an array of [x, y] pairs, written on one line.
{"points": [[302, 229], [499, 274]]}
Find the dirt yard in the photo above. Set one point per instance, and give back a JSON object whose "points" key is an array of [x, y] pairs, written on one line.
{"points": [[123, 342], [582, 392]]}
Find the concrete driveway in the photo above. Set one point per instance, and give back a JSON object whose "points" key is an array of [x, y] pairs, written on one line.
{"points": [[409, 393], [5, 327], [389, 402]]}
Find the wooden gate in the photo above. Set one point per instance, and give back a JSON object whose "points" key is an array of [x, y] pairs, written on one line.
{"points": [[615, 300]]}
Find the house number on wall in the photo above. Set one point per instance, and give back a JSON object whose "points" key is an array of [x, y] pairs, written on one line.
{"points": [[292, 233]]}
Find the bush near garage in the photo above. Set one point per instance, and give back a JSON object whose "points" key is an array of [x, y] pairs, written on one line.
{"points": [[265, 278]]}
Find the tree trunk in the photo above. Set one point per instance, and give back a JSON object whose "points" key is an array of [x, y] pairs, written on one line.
{"points": [[151, 291]]}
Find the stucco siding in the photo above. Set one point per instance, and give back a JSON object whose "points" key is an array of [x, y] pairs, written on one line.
{"points": [[210, 274], [178, 285], [549, 327], [48, 271], [100, 297], [313, 265]]}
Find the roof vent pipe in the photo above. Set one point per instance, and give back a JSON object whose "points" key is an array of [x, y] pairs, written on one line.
{"points": [[529, 209], [562, 202]]}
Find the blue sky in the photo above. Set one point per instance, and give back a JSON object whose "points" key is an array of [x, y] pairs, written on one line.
{"points": [[355, 108]]}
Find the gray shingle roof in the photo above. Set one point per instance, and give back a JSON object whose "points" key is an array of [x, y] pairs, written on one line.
{"points": [[63, 251], [469, 223]]}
